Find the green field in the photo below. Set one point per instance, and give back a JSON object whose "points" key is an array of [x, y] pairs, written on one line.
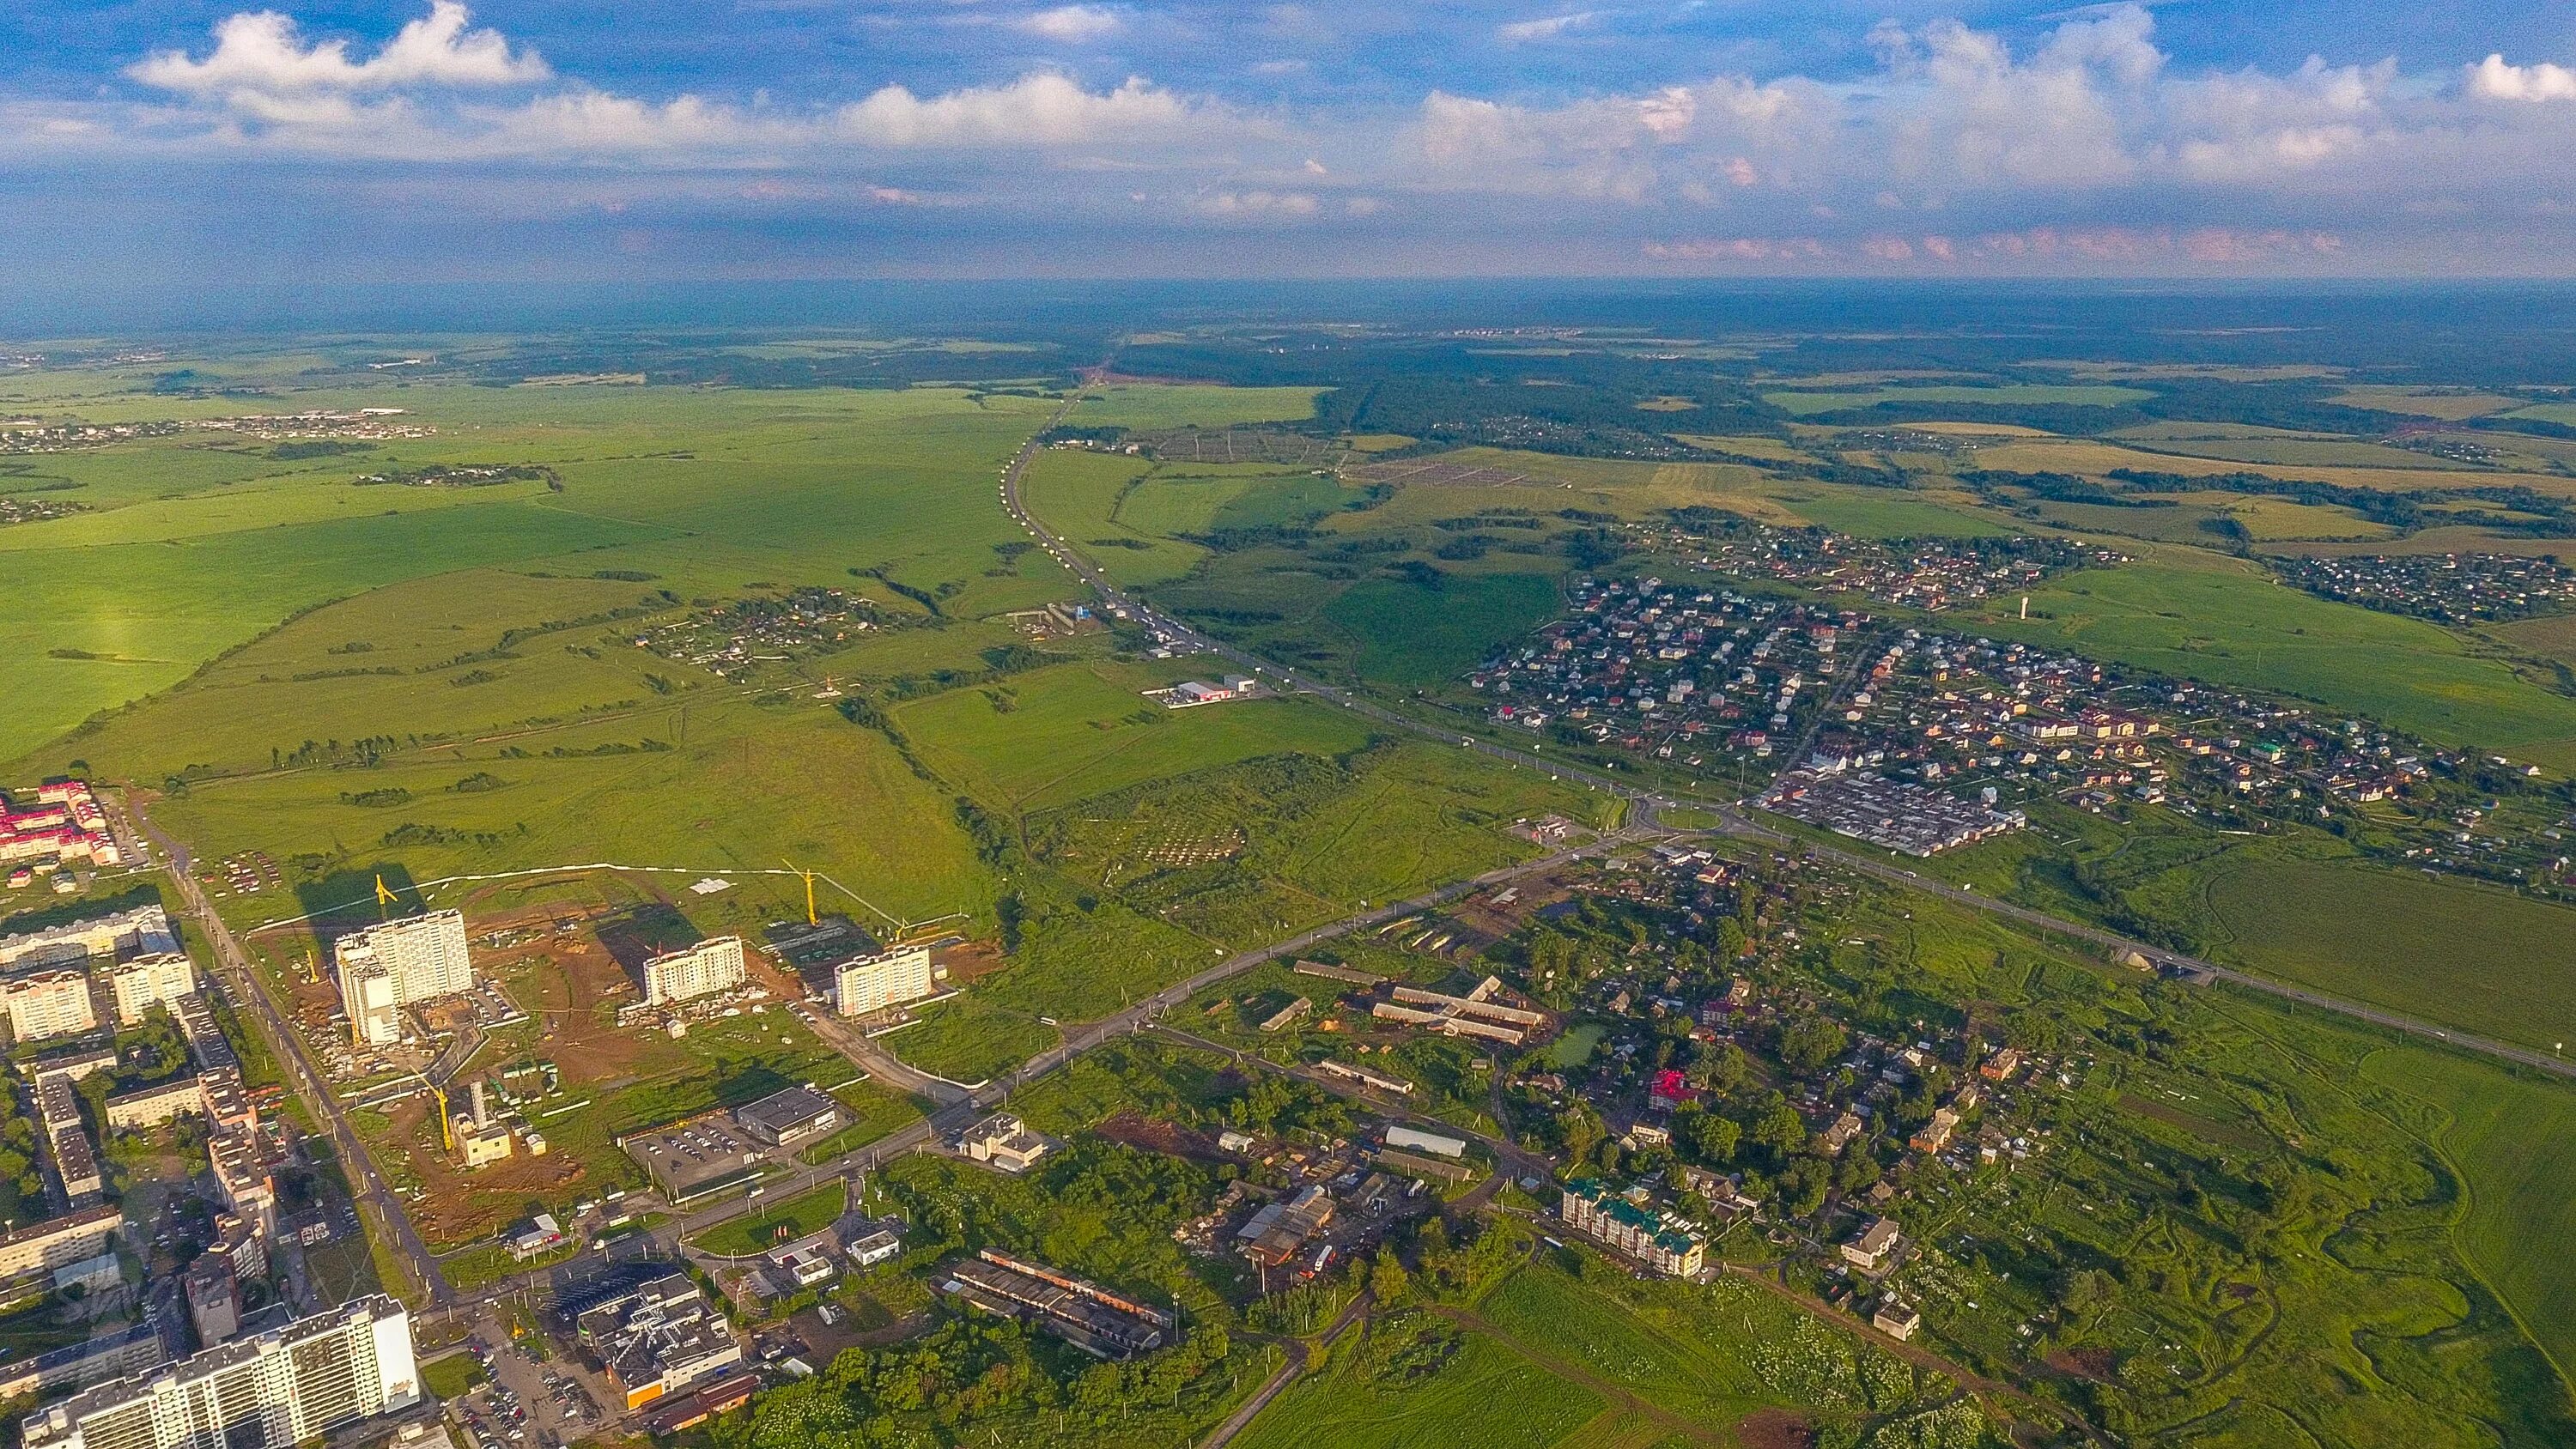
{"points": [[2223, 622], [770, 1222], [2467, 956], [1412, 637], [1081, 729], [2503, 1136], [1146, 406]]}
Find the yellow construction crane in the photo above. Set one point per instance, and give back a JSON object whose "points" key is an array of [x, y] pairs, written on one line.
{"points": [[811, 918], [386, 900], [446, 1124]]}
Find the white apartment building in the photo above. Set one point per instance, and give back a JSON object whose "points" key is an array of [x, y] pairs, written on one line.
{"points": [[140, 931], [383, 969], [273, 1390], [163, 976], [48, 1003], [873, 983], [711, 965]]}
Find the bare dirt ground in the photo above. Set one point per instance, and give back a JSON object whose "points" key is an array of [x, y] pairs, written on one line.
{"points": [[1773, 1429], [456, 1207]]}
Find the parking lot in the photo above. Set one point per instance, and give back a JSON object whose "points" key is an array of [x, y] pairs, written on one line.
{"points": [[695, 1154], [526, 1404]]}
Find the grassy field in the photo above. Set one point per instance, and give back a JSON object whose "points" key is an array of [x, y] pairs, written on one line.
{"points": [[1412, 637], [2463, 955], [2208, 618], [705, 490], [1506, 1401], [1147, 406], [1885, 513], [2501, 1133], [760, 1229], [1075, 730]]}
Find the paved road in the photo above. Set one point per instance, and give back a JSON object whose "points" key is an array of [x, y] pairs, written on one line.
{"points": [[288, 1048]]}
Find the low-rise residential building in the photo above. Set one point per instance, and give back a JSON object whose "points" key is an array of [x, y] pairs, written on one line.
{"points": [[1874, 1246], [1897, 1320], [1658, 1240], [58, 1241], [152, 1106], [140, 931]]}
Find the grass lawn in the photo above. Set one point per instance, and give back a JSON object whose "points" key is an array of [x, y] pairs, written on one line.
{"points": [[451, 1376], [772, 1223]]}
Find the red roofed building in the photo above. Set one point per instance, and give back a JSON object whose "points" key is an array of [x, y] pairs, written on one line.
{"points": [[1669, 1090]]}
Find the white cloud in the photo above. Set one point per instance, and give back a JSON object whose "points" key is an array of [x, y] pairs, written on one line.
{"points": [[2493, 80], [1072, 24], [1039, 109], [1549, 27], [1237, 205], [262, 53]]}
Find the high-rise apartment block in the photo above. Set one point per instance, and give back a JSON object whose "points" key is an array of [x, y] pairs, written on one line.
{"points": [[710, 966], [383, 969], [872, 983], [270, 1390], [162, 977], [44, 1004]]}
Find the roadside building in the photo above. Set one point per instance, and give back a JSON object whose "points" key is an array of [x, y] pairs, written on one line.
{"points": [[162, 977], [787, 1117], [1005, 1142], [658, 1339], [865, 985]]}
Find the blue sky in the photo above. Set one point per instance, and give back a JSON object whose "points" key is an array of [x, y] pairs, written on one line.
{"points": [[180, 141]]}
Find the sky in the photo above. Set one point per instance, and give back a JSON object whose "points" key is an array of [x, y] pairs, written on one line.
{"points": [[181, 143]]}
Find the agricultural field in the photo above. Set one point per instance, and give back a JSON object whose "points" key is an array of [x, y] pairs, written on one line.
{"points": [[702, 491], [2212, 619], [2467, 956]]}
